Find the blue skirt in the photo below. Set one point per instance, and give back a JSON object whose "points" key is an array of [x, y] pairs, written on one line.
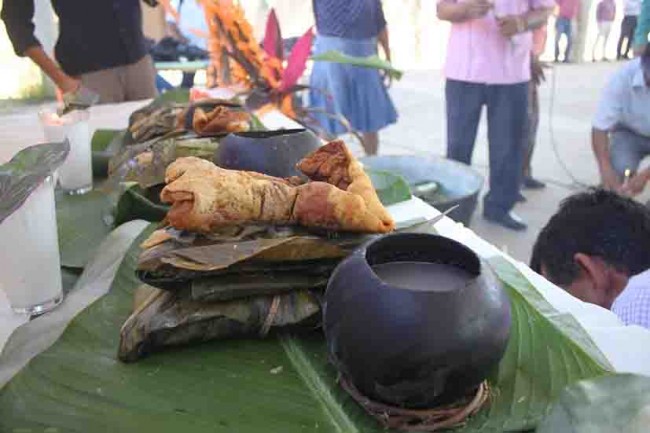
{"points": [[355, 92]]}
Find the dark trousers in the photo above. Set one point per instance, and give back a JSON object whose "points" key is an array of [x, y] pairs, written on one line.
{"points": [[533, 125], [507, 115], [628, 27], [563, 26]]}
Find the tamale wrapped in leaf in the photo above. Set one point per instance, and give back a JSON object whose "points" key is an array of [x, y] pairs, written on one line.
{"points": [[165, 319], [236, 286]]}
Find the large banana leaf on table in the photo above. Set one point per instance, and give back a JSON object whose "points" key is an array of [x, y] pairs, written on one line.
{"points": [[279, 384]]}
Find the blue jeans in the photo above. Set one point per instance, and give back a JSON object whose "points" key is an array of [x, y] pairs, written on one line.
{"points": [[507, 116], [627, 149], [563, 27]]}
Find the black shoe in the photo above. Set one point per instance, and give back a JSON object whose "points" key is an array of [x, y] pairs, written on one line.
{"points": [[521, 198], [532, 183], [508, 220]]}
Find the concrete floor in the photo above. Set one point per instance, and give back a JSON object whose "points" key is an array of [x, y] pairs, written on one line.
{"points": [[419, 98]]}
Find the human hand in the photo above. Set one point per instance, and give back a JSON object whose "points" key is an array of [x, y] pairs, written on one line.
{"points": [[68, 84], [636, 184], [510, 25], [477, 8], [609, 179]]}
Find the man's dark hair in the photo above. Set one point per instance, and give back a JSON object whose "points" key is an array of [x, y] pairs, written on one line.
{"points": [[597, 223]]}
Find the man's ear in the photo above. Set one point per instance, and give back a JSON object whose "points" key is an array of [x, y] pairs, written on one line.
{"points": [[593, 270]]}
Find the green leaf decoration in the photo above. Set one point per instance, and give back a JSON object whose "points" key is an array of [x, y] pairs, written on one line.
{"points": [[177, 96], [105, 144], [615, 403], [139, 203], [391, 187], [373, 62], [280, 384], [546, 352], [83, 221]]}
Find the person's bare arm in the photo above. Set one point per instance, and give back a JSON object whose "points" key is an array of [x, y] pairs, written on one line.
{"points": [[600, 146], [512, 24], [384, 42], [461, 12], [63, 81]]}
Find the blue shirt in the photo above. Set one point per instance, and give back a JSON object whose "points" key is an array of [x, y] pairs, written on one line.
{"points": [[625, 102], [93, 34], [350, 19]]}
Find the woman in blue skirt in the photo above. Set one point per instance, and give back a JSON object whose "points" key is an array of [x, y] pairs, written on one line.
{"points": [[353, 27]]}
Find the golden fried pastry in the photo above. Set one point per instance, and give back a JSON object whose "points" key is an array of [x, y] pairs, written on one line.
{"points": [[220, 120], [205, 197]]}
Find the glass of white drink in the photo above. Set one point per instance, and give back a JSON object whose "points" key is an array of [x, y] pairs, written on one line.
{"points": [[75, 176], [29, 256]]}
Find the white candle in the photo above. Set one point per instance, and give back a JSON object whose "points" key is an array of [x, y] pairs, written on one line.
{"points": [[29, 257]]}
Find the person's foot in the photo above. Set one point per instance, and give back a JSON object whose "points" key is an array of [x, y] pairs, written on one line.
{"points": [[521, 198], [532, 183], [508, 220]]}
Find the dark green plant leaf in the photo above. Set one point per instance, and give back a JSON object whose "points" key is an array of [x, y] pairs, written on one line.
{"points": [[138, 203], [546, 352], [373, 62], [83, 221], [178, 96], [106, 143], [614, 403], [281, 384], [391, 188]]}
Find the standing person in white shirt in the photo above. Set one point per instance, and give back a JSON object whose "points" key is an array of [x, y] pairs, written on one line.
{"points": [[631, 9], [597, 248], [621, 127]]}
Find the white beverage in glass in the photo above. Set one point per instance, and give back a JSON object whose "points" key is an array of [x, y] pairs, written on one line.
{"points": [[29, 257], [75, 175]]}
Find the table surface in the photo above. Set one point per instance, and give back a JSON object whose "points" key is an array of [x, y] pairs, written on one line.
{"points": [[626, 347], [190, 66]]}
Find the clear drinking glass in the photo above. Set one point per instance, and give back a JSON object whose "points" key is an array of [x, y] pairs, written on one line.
{"points": [[29, 257], [76, 174]]}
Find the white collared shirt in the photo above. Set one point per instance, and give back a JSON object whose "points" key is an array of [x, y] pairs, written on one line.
{"points": [[632, 306], [625, 102]]}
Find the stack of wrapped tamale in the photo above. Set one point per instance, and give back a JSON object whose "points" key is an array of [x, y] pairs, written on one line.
{"points": [[243, 253]]}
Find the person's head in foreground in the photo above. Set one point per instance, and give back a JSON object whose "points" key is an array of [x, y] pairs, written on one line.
{"points": [[592, 247]]}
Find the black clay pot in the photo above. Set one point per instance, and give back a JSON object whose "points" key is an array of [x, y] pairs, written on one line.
{"points": [[275, 153], [415, 348]]}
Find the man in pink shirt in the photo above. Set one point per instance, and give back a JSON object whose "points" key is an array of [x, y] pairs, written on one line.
{"points": [[488, 63], [568, 11]]}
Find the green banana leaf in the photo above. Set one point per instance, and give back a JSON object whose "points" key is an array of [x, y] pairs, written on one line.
{"points": [[83, 221], [138, 203], [281, 384], [609, 404], [374, 62], [391, 187]]}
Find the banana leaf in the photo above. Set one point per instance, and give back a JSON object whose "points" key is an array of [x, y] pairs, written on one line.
{"points": [[280, 384], [167, 319], [83, 221], [105, 144], [391, 187], [138, 203], [614, 403], [373, 62]]}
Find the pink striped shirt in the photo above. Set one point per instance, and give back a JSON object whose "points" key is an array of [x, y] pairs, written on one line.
{"points": [[478, 53]]}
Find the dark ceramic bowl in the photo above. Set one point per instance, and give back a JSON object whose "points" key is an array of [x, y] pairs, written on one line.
{"points": [[459, 184], [275, 153], [415, 349]]}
